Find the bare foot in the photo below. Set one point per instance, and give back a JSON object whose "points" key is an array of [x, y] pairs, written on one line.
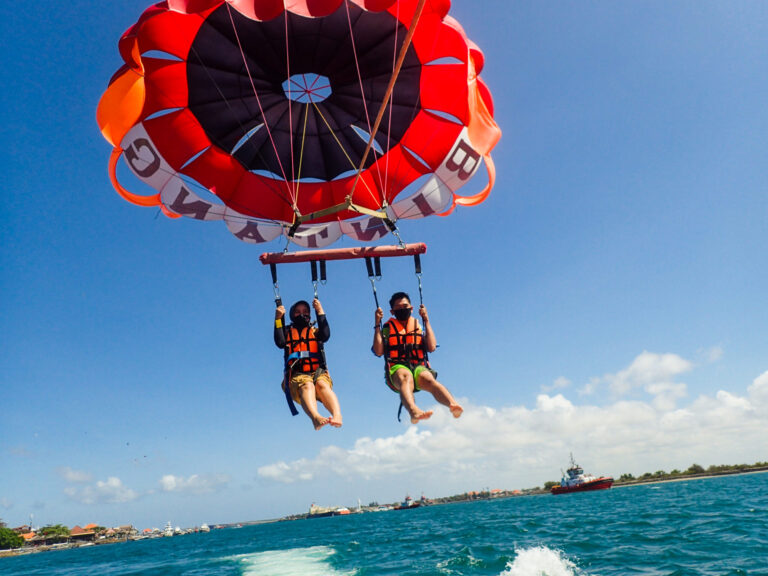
{"points": [[319, 422], [335, 421], [456, 410], [420, 415]]}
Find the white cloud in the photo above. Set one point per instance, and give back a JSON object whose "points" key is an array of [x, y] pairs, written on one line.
{"points": [[521, 447], [194, 484], [655, 374], [758, 390], [590, 387], [111, 491], [74, 476], [6, 504], [713, 354], [559, 383]]}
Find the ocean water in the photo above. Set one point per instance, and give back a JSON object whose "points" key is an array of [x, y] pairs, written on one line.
{"points": [[714, 526]]}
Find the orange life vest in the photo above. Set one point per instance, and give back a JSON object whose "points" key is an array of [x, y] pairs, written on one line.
{"points": [[303, 351], [404, 344]]}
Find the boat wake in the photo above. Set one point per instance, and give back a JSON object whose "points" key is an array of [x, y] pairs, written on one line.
{"points": [[313, 561], [541, 561]]}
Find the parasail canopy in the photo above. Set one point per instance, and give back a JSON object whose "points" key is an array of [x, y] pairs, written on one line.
{"points": [[308, 118]]}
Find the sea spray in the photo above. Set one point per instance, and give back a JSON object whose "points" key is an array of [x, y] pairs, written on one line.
{"points": [[313, 561], [541, 561]]}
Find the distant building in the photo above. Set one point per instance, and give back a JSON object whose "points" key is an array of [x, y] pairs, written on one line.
{"points": [[78, 534]]}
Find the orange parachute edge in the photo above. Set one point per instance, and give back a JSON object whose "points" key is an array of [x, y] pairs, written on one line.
{"points": [[120, 106], [483, 131], [137, 199], [478, 198]]}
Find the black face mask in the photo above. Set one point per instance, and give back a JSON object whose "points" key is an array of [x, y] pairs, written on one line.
{"points": [[403, 314], [301, 321]]}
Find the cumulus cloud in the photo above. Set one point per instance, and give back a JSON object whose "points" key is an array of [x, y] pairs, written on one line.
{"points": [[194, 484], [518, 446], [74, 476], [758, 390], [558, 384], [712, 354], [655, 374], [111, 491]]}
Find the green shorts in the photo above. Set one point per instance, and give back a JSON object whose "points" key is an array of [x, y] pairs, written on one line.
{"points": [[415, 372]]}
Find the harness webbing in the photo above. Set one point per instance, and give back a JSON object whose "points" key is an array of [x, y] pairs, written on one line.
{"points": [[292, 358], [411, 353]]}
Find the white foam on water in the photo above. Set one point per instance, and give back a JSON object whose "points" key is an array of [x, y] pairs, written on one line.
{"points": [[305, 561], [541, 561]]}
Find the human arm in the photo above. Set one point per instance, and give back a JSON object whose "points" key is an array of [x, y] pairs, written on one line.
{"points": [[378, 342], [323, 332], [279, 328], [430, 341]]}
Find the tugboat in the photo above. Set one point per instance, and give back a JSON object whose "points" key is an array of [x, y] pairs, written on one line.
{"points": [[577, 481], [409, 503]]}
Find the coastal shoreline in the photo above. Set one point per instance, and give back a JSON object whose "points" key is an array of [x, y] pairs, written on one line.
{"points": [[435, 502], [683, 478]]}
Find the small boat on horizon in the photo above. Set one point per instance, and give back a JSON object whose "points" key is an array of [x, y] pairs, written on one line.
{"points": [[316, 511], [410, 503], [578, 481]]}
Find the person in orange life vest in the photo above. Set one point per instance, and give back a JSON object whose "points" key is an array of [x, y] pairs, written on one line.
{"points": [[309, 379], [404, 346]]}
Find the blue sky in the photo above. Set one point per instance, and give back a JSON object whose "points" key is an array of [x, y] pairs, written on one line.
{"points": [[608, 299]]}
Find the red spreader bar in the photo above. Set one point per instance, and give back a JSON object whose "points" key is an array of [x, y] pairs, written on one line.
{"points": [[343, 253]]}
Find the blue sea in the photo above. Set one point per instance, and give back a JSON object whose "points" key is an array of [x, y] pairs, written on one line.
{"points": [[694, 527]]}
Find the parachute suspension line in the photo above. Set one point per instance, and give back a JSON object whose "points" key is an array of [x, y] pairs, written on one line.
{"points": [[341, 147], [417, 266], [290, 100], [390, 88], [275, 287], [370, 263], [327, 125], [357, 66], [348, 204], [382, 201], [301, 160], [275, 190], [258, 100], [429, 139], [384, 187]]}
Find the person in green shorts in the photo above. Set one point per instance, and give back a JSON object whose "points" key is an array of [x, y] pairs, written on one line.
{"points": [[405, 346]]}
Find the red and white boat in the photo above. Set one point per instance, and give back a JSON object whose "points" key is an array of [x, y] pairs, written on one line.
{"points": [[577, 481]]}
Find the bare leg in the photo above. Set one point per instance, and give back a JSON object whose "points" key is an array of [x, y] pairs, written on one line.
{"points": [[309, 404], [327, 396], [403, 381], [427, 382]]}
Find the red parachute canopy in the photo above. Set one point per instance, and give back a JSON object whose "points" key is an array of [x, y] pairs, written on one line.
{"points": [[311, 118]]}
